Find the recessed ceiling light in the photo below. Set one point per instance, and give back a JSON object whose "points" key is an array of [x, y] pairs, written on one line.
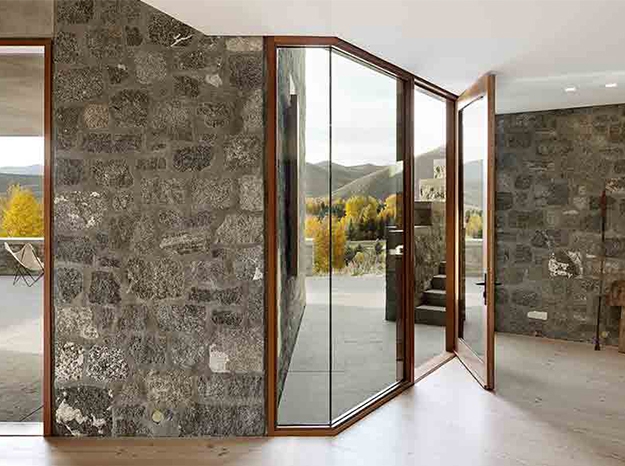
{"points": [[610, 85], [570, 89]]}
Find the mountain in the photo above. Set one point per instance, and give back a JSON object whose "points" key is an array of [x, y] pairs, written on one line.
{"points": [[29, 170], [381, 182], [317, 176], [32, 182]]}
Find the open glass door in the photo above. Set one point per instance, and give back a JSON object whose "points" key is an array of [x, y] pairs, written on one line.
{"points": [[475, 326]]}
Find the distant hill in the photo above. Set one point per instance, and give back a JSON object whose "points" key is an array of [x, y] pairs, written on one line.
{"points": [[381, 182], [317, 176], [32, 182], [29, 170]]}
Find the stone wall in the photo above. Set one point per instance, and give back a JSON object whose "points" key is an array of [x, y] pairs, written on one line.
{"points": [[430, 247], [158, 223], [291, 77], [551, 169]]}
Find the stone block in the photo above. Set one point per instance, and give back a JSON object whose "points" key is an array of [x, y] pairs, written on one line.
{"points": [[111, 173], [78, 84], [246, 71], [74, 11], [150, 67], [187, 86], [66, 49], [167, 31], [105, 364], [105, 288], [252, 194], [129, 108], [105, 43], [243, 152], [83, 411], [172, 118], [75, 322], [213, 193], [193, 158], [69, 172]]}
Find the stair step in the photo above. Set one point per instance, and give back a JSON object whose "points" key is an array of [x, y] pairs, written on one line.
{"points": [[439, 282], [435, 297], [442, 267], [431, 315]]}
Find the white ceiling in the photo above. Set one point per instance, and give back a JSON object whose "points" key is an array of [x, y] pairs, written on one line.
{"points": [[536, 47]]}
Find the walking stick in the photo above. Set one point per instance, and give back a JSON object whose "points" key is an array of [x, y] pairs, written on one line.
{"points": [[604, 216]]}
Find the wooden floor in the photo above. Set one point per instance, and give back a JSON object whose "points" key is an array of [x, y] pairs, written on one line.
{"points": [[556, 404]]}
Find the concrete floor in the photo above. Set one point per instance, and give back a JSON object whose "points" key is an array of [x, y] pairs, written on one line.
{"points": [[363, 347], [21, 351], [556, 403]]}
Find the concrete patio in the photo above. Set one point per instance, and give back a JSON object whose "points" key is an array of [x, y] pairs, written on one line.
{"points": [[363, 347], [21, 351]]}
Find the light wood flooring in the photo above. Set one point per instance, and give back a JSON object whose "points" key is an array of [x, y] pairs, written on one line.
{"points": [[556, 404]]}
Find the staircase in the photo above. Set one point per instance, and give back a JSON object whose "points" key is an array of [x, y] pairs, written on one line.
{"points": [[433, 310]]}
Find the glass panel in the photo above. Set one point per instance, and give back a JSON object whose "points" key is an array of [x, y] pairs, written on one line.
{"points": [[367, 240], [303, 153], [472, 326], [22, 159], [430, 139]]}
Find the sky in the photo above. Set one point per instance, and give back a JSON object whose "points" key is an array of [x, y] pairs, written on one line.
{"points": [[21, 151], [364, 105]]}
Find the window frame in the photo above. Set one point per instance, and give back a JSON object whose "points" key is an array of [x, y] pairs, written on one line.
{"points": [[406, 88]]}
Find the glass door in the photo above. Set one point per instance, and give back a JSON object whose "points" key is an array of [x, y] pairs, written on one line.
{"points": [[475, 326]]}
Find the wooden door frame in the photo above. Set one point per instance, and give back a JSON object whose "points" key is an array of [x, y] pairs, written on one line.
{"points": [[46, 43], [483, 371], [406, 87]]}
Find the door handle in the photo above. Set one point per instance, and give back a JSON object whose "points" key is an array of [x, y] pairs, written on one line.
{"points": [[484, 284]]}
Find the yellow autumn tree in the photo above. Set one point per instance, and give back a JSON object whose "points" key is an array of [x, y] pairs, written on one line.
{"points": [[390, 207], [322, 246], [22, 214], [355, 206], [474, 224], [312, 226]]}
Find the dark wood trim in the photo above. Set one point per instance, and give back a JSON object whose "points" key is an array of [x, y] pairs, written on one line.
{"points": [[271, 246], [346, 420], [451, 220], [48, 241], [46, 43], [349, 48], [491, 264], [304, 41], [406, 88], [409, 238]]}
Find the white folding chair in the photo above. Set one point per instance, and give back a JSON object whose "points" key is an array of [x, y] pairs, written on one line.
{"points": [[28, 267]]}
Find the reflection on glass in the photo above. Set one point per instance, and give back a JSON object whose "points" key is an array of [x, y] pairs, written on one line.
{"points": [[430, 134], [473, 249], [367, 239], [340, 184], [303, 154]]}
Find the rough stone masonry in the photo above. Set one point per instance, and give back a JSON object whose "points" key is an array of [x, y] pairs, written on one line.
{"points": [[551, 169], [158, 225]]}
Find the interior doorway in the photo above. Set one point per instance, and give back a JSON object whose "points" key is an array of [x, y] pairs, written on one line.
{"points": [[25, 67]]}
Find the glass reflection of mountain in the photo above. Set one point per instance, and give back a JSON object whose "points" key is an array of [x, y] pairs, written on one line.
{"points": [[382, 181]]}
